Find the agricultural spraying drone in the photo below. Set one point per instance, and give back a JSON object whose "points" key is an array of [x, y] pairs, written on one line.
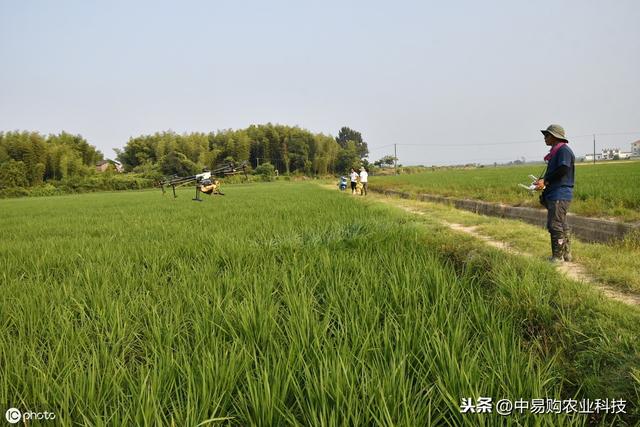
{"points": [[206, 182]]}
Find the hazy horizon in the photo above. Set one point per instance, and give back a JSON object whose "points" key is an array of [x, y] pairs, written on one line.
{"points": [[453, 83]]}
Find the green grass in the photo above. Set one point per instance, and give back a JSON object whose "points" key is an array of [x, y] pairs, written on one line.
{"points": [[286, 304], [616, 264], [602, 190]]}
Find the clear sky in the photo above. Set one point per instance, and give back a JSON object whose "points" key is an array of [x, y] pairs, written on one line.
{"points": [[440, 79]]}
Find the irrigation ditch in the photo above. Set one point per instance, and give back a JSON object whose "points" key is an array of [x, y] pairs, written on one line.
{"points": [[586, 229]]}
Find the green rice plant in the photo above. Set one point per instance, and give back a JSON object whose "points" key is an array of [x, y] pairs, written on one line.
{"points": [[602, 190], [284, 304], [616, 263]]}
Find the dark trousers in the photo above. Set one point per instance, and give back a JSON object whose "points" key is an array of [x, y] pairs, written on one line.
{"points": [[557, 218]]}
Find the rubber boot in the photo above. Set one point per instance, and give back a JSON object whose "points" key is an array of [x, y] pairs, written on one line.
{"points": [[566, 252], [556, 250]]}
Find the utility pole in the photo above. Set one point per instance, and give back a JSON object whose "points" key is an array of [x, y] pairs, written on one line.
{"points": [[395, 158], [594, 148]]}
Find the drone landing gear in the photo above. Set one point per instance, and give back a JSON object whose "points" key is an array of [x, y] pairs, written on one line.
{"points": [[197, 198]]}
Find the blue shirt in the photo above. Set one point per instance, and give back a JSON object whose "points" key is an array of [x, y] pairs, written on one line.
{"points": [[560, 189]]}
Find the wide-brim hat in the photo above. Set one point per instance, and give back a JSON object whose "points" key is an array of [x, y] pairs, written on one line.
{"points": [[555, 130]]}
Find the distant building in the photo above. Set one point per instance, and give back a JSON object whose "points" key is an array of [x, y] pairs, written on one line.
{"points": [[589, 157], [610, 154], [635, 148], [615, 154], [103, 165]]}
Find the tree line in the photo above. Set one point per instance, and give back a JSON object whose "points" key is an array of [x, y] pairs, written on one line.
{"points": [[67, 162], [28, 159], [32, 164], [290, 149]]}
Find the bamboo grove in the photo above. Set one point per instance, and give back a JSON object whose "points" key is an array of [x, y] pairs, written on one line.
{"points": [[288, 149], [31, 163]]}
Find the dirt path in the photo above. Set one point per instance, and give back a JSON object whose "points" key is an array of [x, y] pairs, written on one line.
{"points": [[571, 270]]}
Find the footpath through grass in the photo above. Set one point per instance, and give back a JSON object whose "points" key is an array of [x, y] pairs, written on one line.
{"points": [[608, 190], [287, 304], [616, 264]]}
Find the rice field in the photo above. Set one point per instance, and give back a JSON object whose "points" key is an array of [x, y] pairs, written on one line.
{"points": [[601, 190], [289, 304]]}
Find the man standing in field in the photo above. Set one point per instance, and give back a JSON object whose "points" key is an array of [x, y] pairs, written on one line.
{"points": [[364, 178], [354, 180], [557, 191]]}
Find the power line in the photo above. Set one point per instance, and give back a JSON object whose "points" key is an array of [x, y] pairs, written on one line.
{"points": [[608, 134], [482, 144], [537, 141], [461, 145], [472, 144], [380, 148]]}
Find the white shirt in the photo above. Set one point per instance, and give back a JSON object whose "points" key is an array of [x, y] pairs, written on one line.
{"points": [[354, 176], [364, 176]]}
